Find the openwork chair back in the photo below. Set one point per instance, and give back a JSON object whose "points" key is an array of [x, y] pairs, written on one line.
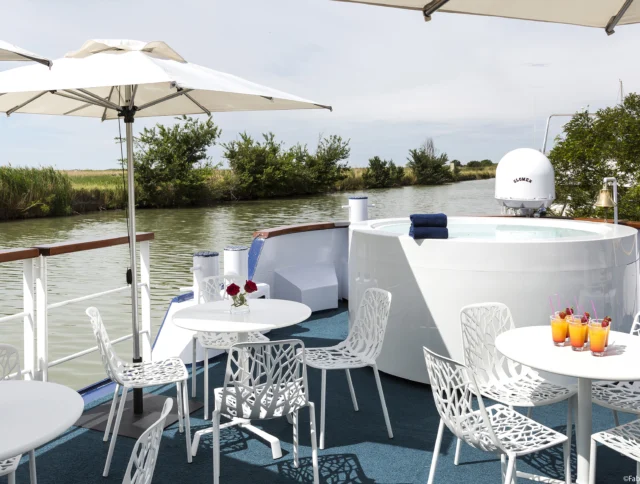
{"points": [[145, 452], [265, 380], [212, 288], [9, 363], [113, 365], [481, 325], [453, 388], [635, 327], [367, 333]]}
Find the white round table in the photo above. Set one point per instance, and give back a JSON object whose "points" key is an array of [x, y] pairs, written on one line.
{"points": [[533, 346], [263, 315], [33, 413]]}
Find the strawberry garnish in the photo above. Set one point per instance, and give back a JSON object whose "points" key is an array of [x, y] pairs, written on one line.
{"points": [[569, 311], [587, 315], [585, 318], [562, 315]]}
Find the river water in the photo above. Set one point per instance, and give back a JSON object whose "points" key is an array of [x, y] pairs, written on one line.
{"points": [[178, 233]]}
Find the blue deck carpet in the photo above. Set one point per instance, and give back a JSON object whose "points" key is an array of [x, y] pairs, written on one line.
{"points": [[358, 449]]}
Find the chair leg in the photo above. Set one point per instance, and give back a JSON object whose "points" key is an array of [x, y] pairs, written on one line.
{"points": [[382, 401], [296, 460], [592, 462], [187, 419], [206, 384], [567, 444], [179, 399], [638, 471], [456, 458], [615, 418], [503, 467], [12, 478], [32, 467], [193, 367], [112, 444], [114, 403], [436, 452], [529, 412], [314, 446], [353, 392], [323, 398], [511, 465], [216, 446]]}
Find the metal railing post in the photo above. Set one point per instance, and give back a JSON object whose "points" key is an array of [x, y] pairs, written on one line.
{"points": [[145, 300], [28, 304], [42, 332]]}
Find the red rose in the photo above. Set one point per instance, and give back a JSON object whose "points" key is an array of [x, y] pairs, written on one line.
{"points": [[233, 289], [250, 287]]}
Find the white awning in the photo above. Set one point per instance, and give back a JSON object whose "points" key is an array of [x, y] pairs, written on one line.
{"points": [[10, 52]]}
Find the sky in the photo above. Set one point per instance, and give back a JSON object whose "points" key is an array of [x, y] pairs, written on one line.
{"points": [[478, 86]]}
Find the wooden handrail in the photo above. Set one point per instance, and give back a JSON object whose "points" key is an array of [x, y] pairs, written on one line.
{"points": [[294, 229], [10, 255], [69, 247]]}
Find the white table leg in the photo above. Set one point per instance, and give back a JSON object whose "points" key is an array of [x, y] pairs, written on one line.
{"points": [[583, 429]]}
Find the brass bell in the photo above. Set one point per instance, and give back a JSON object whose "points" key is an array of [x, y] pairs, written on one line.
{"points": [[604, 199]]}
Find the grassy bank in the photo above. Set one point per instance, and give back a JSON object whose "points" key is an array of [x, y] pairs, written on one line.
{"points": [[41, 192]]}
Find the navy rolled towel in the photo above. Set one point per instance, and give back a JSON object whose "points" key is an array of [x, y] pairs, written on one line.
{"points": [[429, 232], [428, 220]]}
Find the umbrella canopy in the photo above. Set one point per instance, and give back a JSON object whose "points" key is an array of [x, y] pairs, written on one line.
{"points": [[10, 52], [604, 14], [91, 82]]}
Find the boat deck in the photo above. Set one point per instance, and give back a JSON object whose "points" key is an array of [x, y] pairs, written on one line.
{"points": [[358, 450]]}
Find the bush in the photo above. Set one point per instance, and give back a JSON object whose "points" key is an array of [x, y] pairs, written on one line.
{"points": [[171, 162], [33, 192], [428, 165], [382, 174]]}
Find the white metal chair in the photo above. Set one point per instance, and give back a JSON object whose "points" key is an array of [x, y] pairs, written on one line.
{"points": [[213, 290], [145, 452], [10, 370], [359, 350], [264, 381], [496, 429], [138, 375], [624, 439], [498, 377], [619, 396]]}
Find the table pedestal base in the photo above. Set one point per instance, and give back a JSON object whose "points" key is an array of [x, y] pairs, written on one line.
{"points": [[583, 429], [276, 450]]}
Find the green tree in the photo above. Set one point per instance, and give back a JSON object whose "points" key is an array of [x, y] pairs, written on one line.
{"points": [[594, 147], [171, 162], [382, 174], [486, 163], [429, 165], [327, 166]]}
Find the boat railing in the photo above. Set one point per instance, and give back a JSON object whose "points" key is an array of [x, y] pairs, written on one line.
{"points": [[36, 308]]}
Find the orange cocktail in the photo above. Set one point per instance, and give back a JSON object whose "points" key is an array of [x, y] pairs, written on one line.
{"points": [[559, 330], [577, 335], [599, 335]]}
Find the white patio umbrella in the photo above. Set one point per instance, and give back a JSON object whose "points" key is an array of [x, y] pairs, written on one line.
{"points": [[108, 79], [604, 14], [10, 52]]}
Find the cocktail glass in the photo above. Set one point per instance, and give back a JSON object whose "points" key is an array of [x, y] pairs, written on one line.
{"points": [[558, 330], [599, 336], [577, 335]]}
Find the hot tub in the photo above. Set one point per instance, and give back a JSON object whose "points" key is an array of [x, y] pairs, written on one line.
{"points": [[522, 262]]}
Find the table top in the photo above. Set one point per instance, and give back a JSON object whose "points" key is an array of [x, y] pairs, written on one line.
{"points": [[263, 315], [33, 413], [533, 346]]}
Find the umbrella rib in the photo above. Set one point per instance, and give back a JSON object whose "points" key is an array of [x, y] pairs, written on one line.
{"points": [[182, 92], [28, 101], [104, 113], [75, 97], [95, 96], [86, 105], [133, 96], [325, 107], [617, 17], [197, 104], [431, 7]]}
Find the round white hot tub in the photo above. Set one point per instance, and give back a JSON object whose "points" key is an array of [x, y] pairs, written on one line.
{"points": [[522, 262]]}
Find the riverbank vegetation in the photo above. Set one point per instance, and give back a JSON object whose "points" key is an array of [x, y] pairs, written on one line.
{"points": [[173, 169]]}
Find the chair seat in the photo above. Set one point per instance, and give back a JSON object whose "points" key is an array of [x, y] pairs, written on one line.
{"points": [[224, 341], [515, 432], [142, 375], [10, 465], [624, 439], [530, 390], [282, 406], [617, 395], [334, 358]]}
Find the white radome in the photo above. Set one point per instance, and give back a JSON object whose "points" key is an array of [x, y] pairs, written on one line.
{"points": [[525, 180]]}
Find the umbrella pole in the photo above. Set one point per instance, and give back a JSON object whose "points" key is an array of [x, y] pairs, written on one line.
{"points": [[131, 189]]}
